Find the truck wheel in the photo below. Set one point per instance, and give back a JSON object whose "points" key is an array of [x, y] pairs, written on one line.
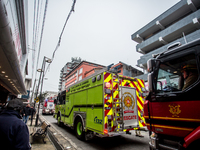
{"points": [[79, 129], [194, 145], [59, 121], [150, 148]]}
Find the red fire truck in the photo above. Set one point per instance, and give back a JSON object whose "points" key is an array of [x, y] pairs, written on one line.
{"points": [[171, 109], [48, 106]]}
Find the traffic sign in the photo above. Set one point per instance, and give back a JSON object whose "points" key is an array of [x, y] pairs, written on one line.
{"points": [[36, 99]]}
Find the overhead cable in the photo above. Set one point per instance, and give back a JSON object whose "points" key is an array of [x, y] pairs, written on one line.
{"points": [[33, 52], [43, 22], [59, 41]]}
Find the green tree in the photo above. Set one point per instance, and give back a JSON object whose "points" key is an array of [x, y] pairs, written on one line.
{"points": [[42, 97]]}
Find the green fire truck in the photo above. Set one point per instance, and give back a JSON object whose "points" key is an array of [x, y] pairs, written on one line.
{"points": [[104, 104]]}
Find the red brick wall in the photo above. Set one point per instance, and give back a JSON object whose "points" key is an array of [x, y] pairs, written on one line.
{"points": [[87, 67]]}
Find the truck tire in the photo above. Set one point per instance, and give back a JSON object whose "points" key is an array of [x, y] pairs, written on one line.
{"points": [[59, 121], [80, 134], [194, 145], [150, 148]]}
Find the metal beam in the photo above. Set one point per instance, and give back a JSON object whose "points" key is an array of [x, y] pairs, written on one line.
{"points": [[160, 25], [191, 5], [196, 23]]}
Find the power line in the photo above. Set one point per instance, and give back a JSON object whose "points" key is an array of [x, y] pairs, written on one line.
{"points": [[38, 29], [35, 30], [59, 41], [44, 17], [33, 52]]}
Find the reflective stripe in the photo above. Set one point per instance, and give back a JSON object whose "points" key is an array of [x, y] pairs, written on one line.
{"points": [[135, 83], [170, 127]]}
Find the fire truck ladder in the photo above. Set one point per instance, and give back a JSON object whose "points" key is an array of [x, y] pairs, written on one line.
{"points": [[118, 118]]}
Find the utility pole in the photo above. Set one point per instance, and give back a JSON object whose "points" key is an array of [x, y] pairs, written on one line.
{"points": [[41, 78]]}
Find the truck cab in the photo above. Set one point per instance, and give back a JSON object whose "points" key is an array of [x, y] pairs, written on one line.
{"points": [[171, 109], [49, 106]]}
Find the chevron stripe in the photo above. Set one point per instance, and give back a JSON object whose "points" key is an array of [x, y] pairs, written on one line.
{"points": [[107, 78], [134, 83]]}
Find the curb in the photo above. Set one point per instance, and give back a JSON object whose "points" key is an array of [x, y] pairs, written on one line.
{"points": [[58, 139]]}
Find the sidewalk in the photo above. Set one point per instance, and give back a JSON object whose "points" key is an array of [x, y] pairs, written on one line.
{"points": [[55, 140], [39, 145]]}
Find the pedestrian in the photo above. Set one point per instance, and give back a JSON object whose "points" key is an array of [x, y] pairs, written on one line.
{"points": [[14, 134], [26, 113], [2, 107], [32, 110]]}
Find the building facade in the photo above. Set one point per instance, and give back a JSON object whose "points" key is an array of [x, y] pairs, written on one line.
{"points": [[13, 48], [126, 70], [51, 94], [65, 70], [84, 69], [178, 25]]}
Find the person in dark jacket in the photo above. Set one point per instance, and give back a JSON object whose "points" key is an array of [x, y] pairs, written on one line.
{"points": [[2, 107], [26, 113], [32, 110], [14, 134]]}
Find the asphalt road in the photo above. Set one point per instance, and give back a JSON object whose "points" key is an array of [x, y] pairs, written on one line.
{"points": [[123, 142]]}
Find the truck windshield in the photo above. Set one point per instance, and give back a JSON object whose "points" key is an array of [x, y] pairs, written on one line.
{"points": [[171, 74]]}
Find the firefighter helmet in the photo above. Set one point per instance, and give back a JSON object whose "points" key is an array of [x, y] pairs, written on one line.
{"points": [[188, 68]]}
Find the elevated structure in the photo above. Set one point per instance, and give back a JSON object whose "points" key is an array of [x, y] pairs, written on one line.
{"points": [[65, 70], [126, 70], [180, 23], [13, 48], [84, 69]]}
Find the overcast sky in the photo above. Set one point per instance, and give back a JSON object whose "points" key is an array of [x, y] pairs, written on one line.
{"points": [[99, 31]]}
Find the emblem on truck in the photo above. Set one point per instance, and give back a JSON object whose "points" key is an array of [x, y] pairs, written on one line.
{"points": [[128, 100], [98, 121], [174, 109]]}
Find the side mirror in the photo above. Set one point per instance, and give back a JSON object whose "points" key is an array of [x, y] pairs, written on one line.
{"points": [[150, 82], [55, 101], [151, 63]]}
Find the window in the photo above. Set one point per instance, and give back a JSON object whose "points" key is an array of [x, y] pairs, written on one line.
{"points": [[177, 74], [81, 70], [80, 78]]}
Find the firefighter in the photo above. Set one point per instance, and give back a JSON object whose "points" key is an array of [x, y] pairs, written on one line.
{"points": [[190, 75]]}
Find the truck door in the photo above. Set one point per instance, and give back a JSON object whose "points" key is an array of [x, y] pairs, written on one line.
{"points": [[129, 101], [69, 109]]}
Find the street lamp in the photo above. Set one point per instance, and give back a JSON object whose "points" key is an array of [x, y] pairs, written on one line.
{"points": [[39, 70], [34, 95], [48, 60]]}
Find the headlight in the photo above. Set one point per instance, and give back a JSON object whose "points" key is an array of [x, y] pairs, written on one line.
{"points": [[153, 134]]}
